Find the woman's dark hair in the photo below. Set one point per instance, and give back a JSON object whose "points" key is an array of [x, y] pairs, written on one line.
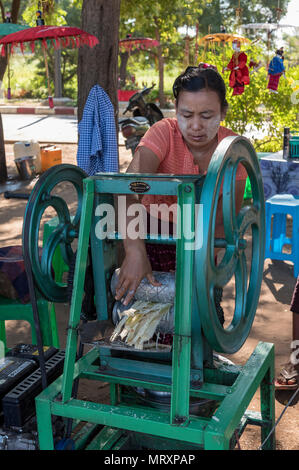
{"points": [[199, 78]]}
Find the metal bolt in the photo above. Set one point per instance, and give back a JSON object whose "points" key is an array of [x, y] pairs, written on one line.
{"points": [[241, 244], [179, 420], [188, 189]]}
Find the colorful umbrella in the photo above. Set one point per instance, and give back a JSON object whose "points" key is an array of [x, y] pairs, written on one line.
{"points": [[223, 37], [270, 27], [128, 44], [5, 29], [58, 36]]}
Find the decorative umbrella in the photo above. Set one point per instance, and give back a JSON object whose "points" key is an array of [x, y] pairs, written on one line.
{"points": [[222, 38], [58, 36], [5, 29], [270, 27], [128, 44]]}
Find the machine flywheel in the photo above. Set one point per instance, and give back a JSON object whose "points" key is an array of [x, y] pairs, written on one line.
{"points": [[67, 229], [221, 177]]}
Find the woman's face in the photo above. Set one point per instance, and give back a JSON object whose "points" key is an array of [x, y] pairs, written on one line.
{"points": [[199, 115]]}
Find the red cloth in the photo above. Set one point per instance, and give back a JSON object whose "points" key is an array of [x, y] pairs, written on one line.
{"points": [[61, 35], [273, 81], [240, 77]]}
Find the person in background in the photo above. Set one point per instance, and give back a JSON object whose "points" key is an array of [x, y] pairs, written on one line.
{"points": [[288, 377], [239, 74], [275, 70]]}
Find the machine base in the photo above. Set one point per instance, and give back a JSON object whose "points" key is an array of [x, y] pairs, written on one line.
{"points": [[233, 387]]}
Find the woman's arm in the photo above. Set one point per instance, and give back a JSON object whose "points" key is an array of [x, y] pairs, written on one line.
{"points": [[136, 265]]}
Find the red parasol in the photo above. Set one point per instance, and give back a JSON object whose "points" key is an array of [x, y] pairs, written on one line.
{"points": [[58, 36], [128, 44]]}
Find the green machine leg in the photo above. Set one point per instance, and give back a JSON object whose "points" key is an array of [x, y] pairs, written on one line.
{"points": [[188, 374], [44, 424], [255, 373]]}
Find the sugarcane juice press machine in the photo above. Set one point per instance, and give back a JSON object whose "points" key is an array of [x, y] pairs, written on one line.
{"points": [[184, 396]]}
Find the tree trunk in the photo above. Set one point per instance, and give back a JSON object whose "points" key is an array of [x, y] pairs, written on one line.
{"points": [[3, 65], [162, 99], [124, 57], [98, 65], [15, 7], [57, 74]]}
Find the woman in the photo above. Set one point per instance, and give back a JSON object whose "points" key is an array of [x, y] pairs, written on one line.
{"points": [[181, 145]]}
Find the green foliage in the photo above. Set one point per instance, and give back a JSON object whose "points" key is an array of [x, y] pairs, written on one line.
{"points": [[257, 111], [67, 12], [218, 12], [56, 17], [264, 111]]}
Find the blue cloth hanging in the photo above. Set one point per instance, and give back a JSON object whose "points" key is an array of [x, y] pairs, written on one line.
{"points": [[97, 147]]}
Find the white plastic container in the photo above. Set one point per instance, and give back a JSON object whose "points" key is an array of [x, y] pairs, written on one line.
{"points": [[30, 148]]}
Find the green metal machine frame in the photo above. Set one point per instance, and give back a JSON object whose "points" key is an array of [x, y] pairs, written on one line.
{"points": [[188, 372]]}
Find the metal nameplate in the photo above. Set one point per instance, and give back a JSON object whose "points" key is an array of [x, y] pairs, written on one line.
{"points": [[139, 187]]}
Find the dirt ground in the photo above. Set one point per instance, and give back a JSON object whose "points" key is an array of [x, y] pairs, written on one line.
{"points": [[272, 321]]}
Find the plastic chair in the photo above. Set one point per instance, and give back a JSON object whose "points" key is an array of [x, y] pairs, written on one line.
{"points": [[278, 207], [15, 310]]}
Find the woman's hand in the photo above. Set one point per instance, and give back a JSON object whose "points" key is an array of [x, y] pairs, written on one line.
{"points": [[134, 268], [136, 265]]}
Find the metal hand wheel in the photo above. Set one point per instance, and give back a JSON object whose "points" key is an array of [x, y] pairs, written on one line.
{"points": [[66, 231], [221, 177]]}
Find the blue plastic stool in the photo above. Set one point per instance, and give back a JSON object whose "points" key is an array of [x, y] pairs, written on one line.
{"points": [[279, 206]]}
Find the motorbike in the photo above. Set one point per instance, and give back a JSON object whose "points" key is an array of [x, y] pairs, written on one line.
{"points": [[143, 116]]}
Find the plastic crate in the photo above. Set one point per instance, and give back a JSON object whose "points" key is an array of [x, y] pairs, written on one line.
{"points": [[294, 147], [50, 156]]}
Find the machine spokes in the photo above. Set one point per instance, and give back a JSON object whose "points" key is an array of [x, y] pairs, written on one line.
{"points": [[62, 235], [221, 177]]}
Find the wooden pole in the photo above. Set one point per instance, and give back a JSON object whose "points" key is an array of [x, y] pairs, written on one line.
{"points": [[8, 76], [48, 77]]}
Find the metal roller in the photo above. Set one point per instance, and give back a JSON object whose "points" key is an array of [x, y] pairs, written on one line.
{"points": [[149, 293]]}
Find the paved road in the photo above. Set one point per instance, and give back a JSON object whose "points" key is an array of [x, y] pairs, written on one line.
{"points": [[43, 128], [57, 129]]}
